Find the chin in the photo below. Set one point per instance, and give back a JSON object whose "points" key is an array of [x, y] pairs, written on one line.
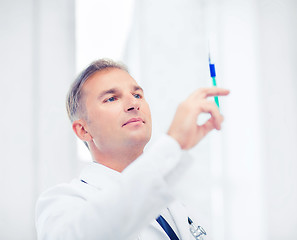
{"points": [[138, 140]]}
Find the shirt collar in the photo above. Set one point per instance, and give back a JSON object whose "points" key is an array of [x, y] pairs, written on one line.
{"points": [[99, 176]]}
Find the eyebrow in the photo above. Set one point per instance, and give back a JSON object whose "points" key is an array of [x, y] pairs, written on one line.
{"points": [[136, 88], [116, 90]]}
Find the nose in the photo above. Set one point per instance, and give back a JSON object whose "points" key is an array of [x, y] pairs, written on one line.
{"points": [[132, 104]]}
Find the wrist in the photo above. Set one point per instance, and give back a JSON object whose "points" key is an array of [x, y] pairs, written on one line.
{"points": [[176, 139]]}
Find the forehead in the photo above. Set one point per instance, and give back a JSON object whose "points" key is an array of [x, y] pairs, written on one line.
{"points": [[109, 78]]}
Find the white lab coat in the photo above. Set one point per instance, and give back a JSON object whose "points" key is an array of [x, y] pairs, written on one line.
{"points": [[112, 205]]}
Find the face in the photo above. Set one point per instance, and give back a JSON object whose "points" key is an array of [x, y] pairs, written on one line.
{"points": [[118, 115]]}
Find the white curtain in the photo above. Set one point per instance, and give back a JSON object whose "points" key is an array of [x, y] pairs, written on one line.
{"points": [[37, 147], [243, 185]]}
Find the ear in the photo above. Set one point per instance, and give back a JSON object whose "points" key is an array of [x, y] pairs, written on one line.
{"points": [[79, 127]]}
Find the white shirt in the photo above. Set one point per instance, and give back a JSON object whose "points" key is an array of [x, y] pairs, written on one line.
{"points": [[115, 205]]}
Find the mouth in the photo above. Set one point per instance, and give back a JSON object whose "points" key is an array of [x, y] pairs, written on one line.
{"points": [[132, 120]]}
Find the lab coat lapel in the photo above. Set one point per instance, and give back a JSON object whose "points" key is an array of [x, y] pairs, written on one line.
{"points": [[179, 214], [180, 217], [153, 231], [160, 230]]}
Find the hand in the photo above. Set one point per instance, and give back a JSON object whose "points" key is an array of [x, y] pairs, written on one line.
{"points": [[184, 128]]}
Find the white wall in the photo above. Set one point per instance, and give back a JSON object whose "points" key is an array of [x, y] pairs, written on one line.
{"points": [[37, 66], [278, 62]]}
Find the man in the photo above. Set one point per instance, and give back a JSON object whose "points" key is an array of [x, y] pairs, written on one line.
{"points": [[120, 195]]}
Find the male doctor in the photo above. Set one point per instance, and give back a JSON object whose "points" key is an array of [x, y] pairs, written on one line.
{"points": [[122, 193]]}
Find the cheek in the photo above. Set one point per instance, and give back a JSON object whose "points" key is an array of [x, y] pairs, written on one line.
{"points": [[104, 120], [147, 112]]}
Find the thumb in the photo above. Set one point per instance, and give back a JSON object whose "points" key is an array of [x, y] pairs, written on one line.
{"points": [[206, 127]]}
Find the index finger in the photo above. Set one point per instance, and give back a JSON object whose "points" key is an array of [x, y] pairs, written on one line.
{"points": [[210, 92]]}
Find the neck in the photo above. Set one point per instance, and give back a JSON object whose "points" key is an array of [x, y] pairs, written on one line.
{"points": [[116, 159]]}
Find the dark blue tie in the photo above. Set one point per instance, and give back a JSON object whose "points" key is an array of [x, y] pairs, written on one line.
{"points": [[164, 224]]}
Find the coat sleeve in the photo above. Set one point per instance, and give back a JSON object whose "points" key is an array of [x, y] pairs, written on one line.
{"points": [[79, 211]]}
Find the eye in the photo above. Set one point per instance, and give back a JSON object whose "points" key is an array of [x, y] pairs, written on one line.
{"points": [[111, 99], [137, 95]]}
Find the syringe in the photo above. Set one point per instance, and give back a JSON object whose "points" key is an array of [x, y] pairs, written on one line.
{"points": [[213, 76]]}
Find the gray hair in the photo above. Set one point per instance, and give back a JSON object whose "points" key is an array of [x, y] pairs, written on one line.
{"points": [[75, 107]]}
